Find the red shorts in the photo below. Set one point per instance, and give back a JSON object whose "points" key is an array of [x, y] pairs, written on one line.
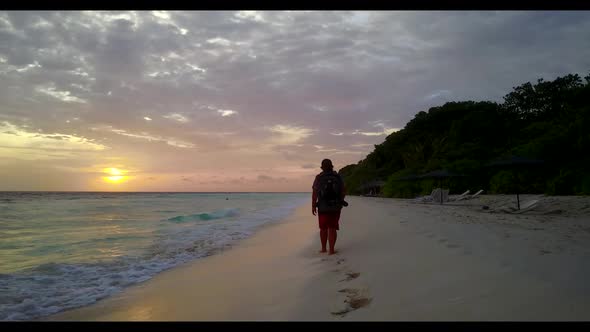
{"points": [[329, 220]]}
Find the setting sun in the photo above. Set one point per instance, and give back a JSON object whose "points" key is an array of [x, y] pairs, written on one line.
{"points": [[116, 175], [113, 171]]}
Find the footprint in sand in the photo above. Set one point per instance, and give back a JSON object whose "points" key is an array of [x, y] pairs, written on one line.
{"points": [[354, 300], [442, 240], [452, 246], [350, 276], [340, 261], [350, 291]]}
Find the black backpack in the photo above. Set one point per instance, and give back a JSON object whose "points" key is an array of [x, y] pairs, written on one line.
{"points": [[329, 192]]}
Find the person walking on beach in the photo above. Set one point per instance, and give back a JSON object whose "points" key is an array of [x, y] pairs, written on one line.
{"points": [[328, 199]]}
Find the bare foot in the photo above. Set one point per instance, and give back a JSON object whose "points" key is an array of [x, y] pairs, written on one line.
{"points": [[332, 252], [323, 250]]}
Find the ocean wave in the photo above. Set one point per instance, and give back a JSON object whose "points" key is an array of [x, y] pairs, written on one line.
{"points": [[224, 213], [53, 287]]}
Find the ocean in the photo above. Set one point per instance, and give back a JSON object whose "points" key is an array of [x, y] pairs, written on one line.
{"points": [[65, 250]]}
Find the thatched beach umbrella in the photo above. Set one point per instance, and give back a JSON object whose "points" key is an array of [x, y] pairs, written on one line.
{"points": [[517, 163]]}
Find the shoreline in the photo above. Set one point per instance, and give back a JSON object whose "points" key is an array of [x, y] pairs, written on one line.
{"points": [[396, 260], [144, 301]]}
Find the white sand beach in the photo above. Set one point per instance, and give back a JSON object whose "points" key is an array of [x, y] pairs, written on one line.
{"points": [[397, 260]]}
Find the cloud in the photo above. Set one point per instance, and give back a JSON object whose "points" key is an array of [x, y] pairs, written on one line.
{"points": [[227, 112], [26, 68], [308, 166], [146, 136], [338, 151], [16, 138], [250, 15], [438, 94], [219, 41], [61, 95], [177, 117], [256, 88], [319, 108], [384, 132], [161, 14], [196, 68], [288, 134]]}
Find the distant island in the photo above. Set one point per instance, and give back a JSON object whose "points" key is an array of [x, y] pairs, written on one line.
{"points": [[548, 121]]}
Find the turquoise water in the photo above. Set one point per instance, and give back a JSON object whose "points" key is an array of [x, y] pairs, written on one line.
{"points": [[65, 250]]}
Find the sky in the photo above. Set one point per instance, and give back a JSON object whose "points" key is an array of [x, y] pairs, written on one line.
{"points": [[247, 101]]}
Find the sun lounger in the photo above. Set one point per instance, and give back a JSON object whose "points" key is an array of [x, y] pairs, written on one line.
{"points": [[429, 198], [527, 206], [460, 197], [471, 196]]}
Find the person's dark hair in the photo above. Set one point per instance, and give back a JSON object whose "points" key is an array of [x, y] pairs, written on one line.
{"points": [[327, 165]]}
